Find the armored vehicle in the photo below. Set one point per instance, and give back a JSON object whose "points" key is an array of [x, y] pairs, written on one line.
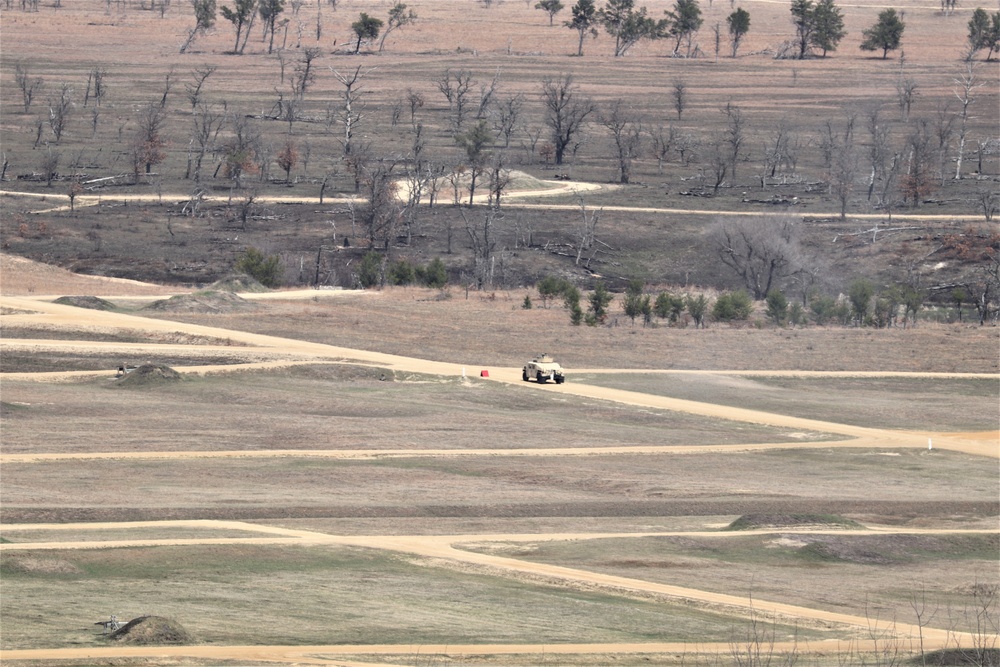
{"points": [[542, 369]]}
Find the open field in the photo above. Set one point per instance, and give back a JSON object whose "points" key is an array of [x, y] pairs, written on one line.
{"points": [[331, 481], [383, 503]]}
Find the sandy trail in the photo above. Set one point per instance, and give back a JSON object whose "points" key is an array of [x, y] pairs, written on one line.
{"points": [[43, 313], [558, 188], [436, 550]]}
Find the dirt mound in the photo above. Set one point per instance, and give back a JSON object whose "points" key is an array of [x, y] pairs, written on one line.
{"points": [[147, 375], [92, 302], [208, 301], [38, 565], [958, 657], [238, 282], [151, 630], [756, 521]]}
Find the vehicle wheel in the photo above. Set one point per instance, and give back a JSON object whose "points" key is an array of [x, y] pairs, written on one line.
{"points": [[540, 379], [524, 375], [560, 380]]}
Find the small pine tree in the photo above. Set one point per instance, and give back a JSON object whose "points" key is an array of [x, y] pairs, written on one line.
{"points": [[777, 307], [267, 270], [526, 304], [434, 274], [599, 299], [370, 271], [402, 273], [732, 306], [571, 299], [697, 306]]}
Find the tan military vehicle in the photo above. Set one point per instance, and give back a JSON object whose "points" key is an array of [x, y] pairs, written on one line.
{"points": [[542, 369]]}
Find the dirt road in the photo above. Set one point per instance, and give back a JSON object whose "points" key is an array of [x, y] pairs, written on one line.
{"points": [[446, 550], [559, 188], [41, 313]]}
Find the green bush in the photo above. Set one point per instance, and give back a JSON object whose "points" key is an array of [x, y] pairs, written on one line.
{"points": [[636, 303], [777, 307], [599, 299], [267, 270], [402, 273], [370, 270], [434, 274], [796, 314], [550, 287], [824, 309], [860, 293], [571, 299], [696, 306], [732, 306]]}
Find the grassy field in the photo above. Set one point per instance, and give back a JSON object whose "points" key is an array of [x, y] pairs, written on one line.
{"points": [[933, 403]]}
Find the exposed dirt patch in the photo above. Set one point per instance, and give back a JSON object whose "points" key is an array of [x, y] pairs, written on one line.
{"points": [[39, 565], [152, 630], [208, 301], [237, 283], [148, 375], [755, 521], [92, 302]]}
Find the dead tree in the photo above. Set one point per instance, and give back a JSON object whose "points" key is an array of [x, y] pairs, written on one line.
{"points": [[626, 133], [352, 106]]}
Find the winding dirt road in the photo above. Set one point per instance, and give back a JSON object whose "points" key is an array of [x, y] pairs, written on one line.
{"points": [[444, 550]]}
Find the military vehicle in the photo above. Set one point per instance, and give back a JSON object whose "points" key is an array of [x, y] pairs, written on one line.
{"points": [[542, 369]]}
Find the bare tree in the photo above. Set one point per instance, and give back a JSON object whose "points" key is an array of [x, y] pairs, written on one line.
{"points": [[498, 177], [207, 123], [734, 135], [193, 89], [483, 239], [680, 96], [486, 92], [455, 87], [148, 143], [761, 251], [95, 85], [843, 174], [27, 84], [917, 181], [906, 92], [304, 72], [416, 101], [60, 110], [381, 214], [352, 106], [240, 152], [626, 132], [879, 147], [505, 117], [588, 233], [967, 84], [565, 112], [718, 165], [663, 140]]}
